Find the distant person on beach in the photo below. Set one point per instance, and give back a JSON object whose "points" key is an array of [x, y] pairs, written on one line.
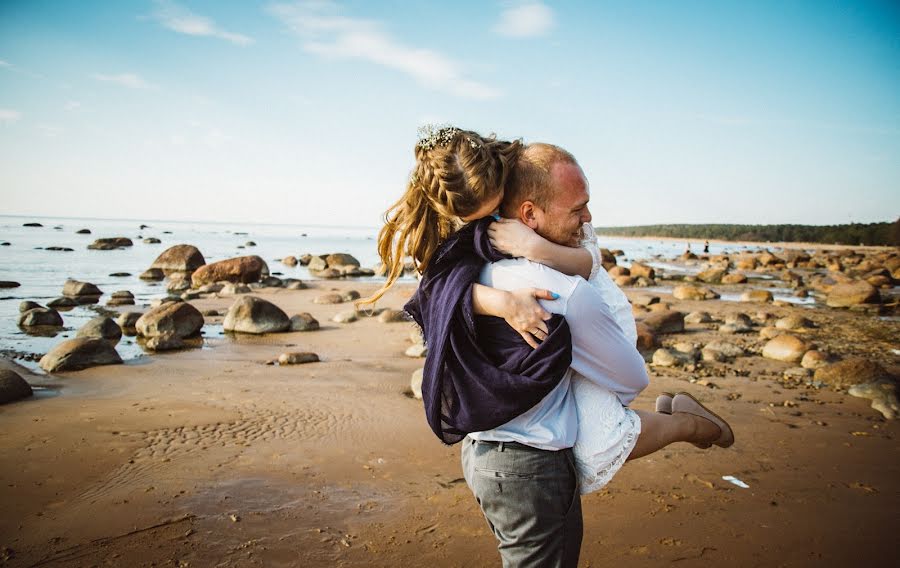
{"points": [[519, 411], [706, 247]]}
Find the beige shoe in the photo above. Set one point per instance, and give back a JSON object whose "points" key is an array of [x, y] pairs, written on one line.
{"points": [[664, 403], [683, 402]]}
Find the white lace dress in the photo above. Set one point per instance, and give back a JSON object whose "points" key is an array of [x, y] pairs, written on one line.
{"points": [[607, 431]]}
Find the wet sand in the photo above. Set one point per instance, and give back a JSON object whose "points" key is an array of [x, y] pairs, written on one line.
{"points": [[210, 457]]}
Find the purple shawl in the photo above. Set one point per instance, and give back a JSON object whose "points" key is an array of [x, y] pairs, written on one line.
{"points": [[479, 372]]}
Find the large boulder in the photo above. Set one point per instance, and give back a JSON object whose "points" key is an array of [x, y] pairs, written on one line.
{"points": [[712, 275], [40, 317], [851, 371], [760, 296], [12, 386], [688, 292], [665, 321], [179, 258], [852, 293], [304, 322], [153, 274], [243, 269], [787, 348], [101, 327], [639, 269], [127, 322], [250, 314], [882, 393], [178, 319], [80, 353]]}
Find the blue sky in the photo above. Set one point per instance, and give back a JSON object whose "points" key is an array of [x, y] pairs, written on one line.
{"points": [[306, 112]]}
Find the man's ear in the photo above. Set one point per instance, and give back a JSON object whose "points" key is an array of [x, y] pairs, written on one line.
{"points": [[528, 214]]}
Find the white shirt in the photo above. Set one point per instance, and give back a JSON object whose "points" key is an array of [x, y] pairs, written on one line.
{"points": [[600, 353]]}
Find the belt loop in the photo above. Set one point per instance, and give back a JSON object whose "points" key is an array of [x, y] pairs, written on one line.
{"points": [[500, 449]]}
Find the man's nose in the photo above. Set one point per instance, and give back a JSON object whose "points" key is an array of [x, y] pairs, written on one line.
{"points": [[586, 216]]}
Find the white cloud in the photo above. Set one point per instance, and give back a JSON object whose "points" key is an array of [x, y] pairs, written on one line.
{"points": [[526, 19], [72, 105], [180, 19], [5, 63], [326, 33], [9, 115], [130, 80], [49, 130]]}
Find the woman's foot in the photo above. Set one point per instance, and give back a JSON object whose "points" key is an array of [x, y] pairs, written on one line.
{"points": [[712, 429]]}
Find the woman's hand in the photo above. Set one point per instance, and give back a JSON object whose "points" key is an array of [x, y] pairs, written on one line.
{"points": [[512, 237], [526, 316]]}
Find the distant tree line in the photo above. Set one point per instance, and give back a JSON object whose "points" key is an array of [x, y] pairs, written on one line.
{"points": [[852, 234]]}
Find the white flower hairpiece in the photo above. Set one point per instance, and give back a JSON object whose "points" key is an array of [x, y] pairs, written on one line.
{"points": [[431, 136]]}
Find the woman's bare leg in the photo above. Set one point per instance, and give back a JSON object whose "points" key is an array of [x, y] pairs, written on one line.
{"points": [[660, 430]]}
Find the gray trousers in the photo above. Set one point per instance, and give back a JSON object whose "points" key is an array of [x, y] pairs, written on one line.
{"points": [[530, 499]]}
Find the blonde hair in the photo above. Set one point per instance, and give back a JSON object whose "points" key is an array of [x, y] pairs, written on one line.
{"points": [[456, 172], [531, 179]]}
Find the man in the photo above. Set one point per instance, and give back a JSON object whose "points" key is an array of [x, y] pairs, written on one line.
{"points": [[522, 473]]}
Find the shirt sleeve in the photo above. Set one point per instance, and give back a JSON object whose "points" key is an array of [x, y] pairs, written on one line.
{"points": [[600, 350]]}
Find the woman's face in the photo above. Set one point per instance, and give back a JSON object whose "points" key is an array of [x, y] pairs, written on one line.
{"points": [[488, 207]]}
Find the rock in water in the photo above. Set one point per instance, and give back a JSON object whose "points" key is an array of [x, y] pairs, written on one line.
{"points": [[28, 305], [297, 358], [340, 259], [76, 289], [128, 321], [638, 269], [243, 269], [13, 386], [166, 342], [111, 243], [756, 296], [250, 314], [687, 292], [102, 328], [304, 322], [851, 371], [787, 348], [79, 353], [153, 274], [64, 302], [9, 284], [179, 258], [179, 319], [40, 317], [851, 294]]}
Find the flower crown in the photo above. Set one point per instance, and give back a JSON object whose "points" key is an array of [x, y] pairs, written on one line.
{"points": [[431, 136]]}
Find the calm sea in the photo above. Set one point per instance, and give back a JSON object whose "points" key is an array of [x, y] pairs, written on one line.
{"points": [[42, 273]]}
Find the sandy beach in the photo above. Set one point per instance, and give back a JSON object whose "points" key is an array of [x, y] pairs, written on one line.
{"points": [[212, 457]]}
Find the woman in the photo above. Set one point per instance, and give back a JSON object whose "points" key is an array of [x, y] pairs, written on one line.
{"points": [[460, 176]]}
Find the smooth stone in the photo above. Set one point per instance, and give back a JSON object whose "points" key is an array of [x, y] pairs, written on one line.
{"points": [[639, 269], [350, 295], [666, 321], [727, 349], [179, 258], [153, 274], [120, 274], [332, 298], [689, 292], [711, 275], [243, 269], [32, 225], [9, 284], [176, 318], [289, 261], [83, 232], [815, 360], [62, 302], [348, 316], [416, 350], [167, 342], [698, 317], [127, 322], [40, 317], [75, 288], [734, 278], [101, 327], [787, 348], [646, 338], [79, 353], [110, 243], [28, 305], [756, 296], [393, 316], [232, 289], [797, 373], [13, 387], [769, 332], [793, 322], [415, 383], [152, 241], [711, 355], [341, 259], [249, 314], [297, 358], [294, 284], [851, 294], [304, 322], [670, 358], [645, 300]]}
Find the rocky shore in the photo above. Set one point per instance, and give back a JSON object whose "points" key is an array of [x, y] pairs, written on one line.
{"points": [[274, 424]]}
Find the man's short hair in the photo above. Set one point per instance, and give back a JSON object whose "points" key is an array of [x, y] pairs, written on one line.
{"points": [[530, 179]]}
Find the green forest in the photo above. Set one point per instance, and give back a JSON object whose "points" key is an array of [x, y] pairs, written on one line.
{"points": [[851, 234]]}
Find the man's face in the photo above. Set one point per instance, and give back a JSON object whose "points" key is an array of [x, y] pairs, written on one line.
{"points": [[567, 210]]}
